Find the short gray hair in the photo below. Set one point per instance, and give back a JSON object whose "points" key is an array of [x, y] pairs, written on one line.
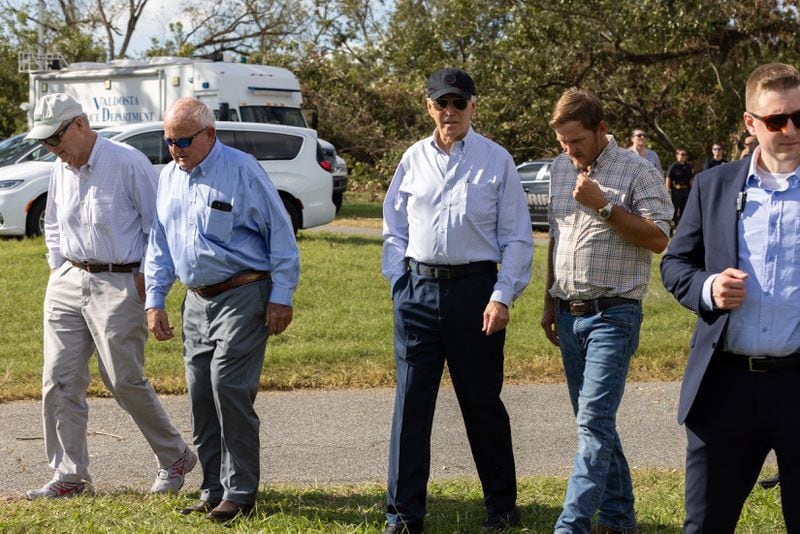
{"points": [[194, 110]]}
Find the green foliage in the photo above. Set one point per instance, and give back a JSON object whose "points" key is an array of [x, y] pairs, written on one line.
{"points": [[677, 69], [14, 92]]}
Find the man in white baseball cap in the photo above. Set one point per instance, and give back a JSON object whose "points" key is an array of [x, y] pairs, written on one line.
{"points": [[100, 203], [51, 112]]}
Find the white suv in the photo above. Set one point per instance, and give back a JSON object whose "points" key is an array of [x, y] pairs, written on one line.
{"points": [[291, 156]]}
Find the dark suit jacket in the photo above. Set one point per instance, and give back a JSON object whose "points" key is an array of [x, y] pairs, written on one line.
{"points": [[704, 244]]}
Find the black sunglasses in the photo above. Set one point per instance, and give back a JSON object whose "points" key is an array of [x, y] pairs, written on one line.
{"points": [[441, 103], [55, 139], [777, 122], [183, 142]]}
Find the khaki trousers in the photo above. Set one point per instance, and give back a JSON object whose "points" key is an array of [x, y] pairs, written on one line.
{"points": [[102, 312]]}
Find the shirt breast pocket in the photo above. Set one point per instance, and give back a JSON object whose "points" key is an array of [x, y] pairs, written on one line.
{"points": [[481, 203], [218, 221]]}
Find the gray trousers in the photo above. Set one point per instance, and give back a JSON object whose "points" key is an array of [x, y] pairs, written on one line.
{"points": [[224, 339], [85, 312]]}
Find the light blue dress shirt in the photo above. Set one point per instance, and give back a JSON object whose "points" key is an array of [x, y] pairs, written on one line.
{"points": [[223, 218], [768, 322], [458, 208]]}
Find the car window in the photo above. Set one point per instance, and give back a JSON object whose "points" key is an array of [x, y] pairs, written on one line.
{"points": [[152, 145], [35, 155], [544, 173], [273, 115], [233, 116], [263, 145], [529, 171], [16, 147]]}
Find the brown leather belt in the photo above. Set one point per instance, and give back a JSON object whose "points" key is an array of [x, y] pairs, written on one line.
{"points": [[758, 364], [680, 186], [583, 307], [236, 281], [106, 267], [452, 272]]}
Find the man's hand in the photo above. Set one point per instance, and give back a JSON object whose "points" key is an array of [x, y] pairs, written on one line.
{"points": [[279, 316], [549, 322], [587, 192], [495, 317], [727, 290], [158, 324]]}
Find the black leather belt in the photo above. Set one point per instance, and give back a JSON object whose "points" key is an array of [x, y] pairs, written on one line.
{"points": [[758, 364], [451, 272], [235, 281], [584, 307], [106, 267]]}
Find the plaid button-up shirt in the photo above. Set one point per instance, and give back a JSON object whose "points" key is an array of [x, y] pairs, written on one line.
{"points": [[590, 260]]}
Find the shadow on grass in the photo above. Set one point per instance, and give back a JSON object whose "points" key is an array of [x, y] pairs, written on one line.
{"points": [[364, 512]]}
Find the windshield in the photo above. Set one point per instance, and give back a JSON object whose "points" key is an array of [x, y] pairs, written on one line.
{"points": [[15, 146], [274, 115]]}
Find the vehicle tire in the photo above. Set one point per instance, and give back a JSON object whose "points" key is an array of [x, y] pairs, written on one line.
{"points": [[34, 223], [337, 201], [294, 213]]}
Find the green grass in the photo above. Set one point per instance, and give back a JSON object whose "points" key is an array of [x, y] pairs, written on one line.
{"points": [[358, 205], [342, 331], [453, 506], [341, 337]]}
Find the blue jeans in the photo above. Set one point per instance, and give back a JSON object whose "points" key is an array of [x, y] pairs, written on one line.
{"points": [[596, 350]]}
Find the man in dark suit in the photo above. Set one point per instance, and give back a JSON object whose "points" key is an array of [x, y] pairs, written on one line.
{"points": [[734, 262]]}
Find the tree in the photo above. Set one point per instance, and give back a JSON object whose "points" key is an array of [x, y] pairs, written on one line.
{"points": [[73, 22]]}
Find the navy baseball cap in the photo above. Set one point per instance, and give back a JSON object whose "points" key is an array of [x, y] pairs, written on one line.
{"points": [[450, 81]]}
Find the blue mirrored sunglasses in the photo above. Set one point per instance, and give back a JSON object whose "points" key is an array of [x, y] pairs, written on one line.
{"points": [[183, 142]]}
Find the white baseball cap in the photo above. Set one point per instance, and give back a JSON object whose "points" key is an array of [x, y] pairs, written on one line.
{"points": [[51, 112]]}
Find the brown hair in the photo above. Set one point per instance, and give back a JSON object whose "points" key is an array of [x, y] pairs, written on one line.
{"points": [[578, 105], [770, 77]]}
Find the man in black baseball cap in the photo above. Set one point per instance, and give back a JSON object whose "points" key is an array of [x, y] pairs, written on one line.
{"points": [[450, 81], [457, 252]]}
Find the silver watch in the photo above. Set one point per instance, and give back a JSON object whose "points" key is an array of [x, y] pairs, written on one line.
{"points": [[605, 212]]}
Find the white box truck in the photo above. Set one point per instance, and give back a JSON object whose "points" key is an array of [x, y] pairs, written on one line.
{"points": [[131, 91]]}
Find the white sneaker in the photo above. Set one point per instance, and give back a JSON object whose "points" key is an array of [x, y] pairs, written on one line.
{"points": [[57, 489], [171, 478]]}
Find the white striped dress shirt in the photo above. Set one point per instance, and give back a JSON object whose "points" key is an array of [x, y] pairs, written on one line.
{"points": [[102, 212], [458, 208]]}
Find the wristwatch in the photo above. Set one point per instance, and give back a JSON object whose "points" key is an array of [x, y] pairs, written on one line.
{"points": [[605, 212]]}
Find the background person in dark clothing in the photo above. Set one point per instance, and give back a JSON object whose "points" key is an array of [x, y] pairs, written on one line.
{"points": [[717, 157], [679, 181]]}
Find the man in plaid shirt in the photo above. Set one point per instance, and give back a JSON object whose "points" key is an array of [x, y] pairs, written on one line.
{"points": [[609, 210]]}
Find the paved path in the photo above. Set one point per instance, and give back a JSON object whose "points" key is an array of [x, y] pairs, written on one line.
{"points": [[332, 437]]}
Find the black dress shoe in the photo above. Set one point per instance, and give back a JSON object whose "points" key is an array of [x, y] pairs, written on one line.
{"points": [[403, 529], [770, 482], [227, 510], [202, 507], [500, 522]]}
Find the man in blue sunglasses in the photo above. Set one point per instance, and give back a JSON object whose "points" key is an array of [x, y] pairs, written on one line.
{"points": [[220, 228]]}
